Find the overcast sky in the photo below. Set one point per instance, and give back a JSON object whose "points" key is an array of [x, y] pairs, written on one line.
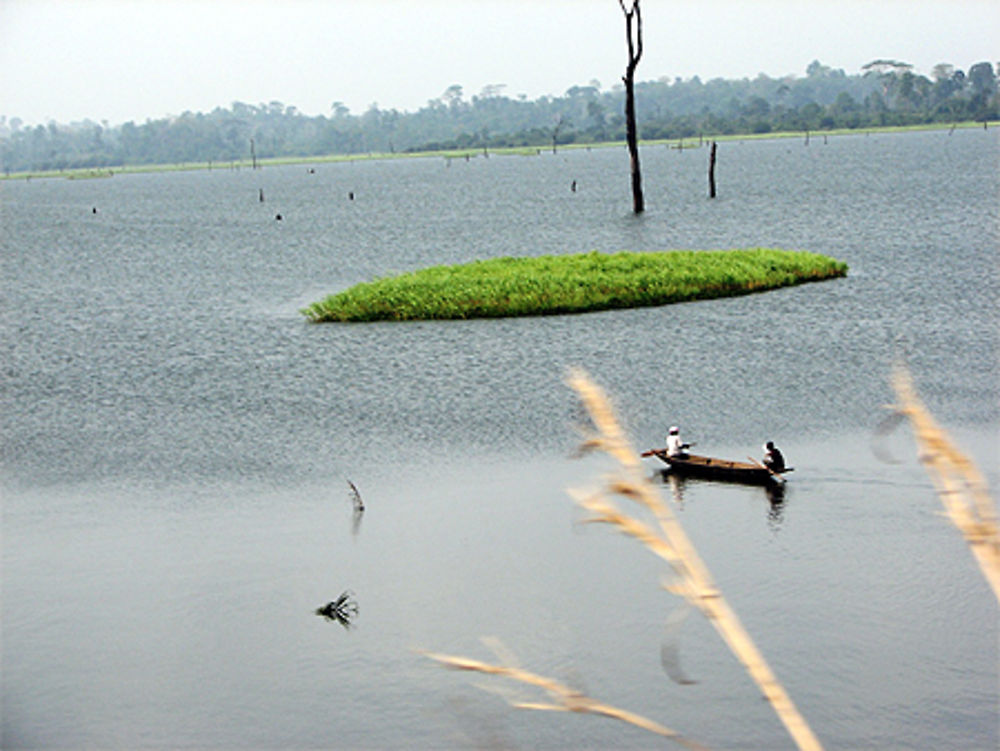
{"points": [[121, 60]]}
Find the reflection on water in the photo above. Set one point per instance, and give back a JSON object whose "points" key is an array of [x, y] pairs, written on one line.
{"points": [[880, 436], [774, 493], [670, 646], [356, 516], [776, 512], [675, 483]]}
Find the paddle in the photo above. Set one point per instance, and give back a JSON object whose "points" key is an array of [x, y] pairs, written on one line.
{"points": [[772, 471], [654, 452]]}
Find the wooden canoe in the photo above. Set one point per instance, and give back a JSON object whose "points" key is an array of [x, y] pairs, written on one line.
{"points": [[711, 468]]}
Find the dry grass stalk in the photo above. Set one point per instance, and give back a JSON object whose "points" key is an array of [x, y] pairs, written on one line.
{"points": [[693, 580], [960, 486], [563, 697]]}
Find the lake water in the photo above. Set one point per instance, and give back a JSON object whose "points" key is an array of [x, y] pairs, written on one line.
{"points": [[177, 444]]}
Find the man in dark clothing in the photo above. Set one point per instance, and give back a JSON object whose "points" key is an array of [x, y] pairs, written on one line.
{"points": [[773, 459]]}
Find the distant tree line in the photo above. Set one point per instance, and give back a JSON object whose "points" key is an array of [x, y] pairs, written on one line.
{"points": [[885, 92]]}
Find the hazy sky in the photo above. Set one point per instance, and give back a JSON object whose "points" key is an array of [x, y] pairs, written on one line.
{"points": [[121, 60]]}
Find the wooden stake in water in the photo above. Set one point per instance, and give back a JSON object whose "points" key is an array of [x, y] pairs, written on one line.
{"points": [[711, 171]]}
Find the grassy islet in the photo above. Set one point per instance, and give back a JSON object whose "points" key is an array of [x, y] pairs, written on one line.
{"points": [[550, 285]]}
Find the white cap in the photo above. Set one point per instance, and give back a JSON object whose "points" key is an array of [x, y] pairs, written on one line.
{"points": [[674, 429]]}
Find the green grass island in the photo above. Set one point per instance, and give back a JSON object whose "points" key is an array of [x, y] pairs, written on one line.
{"points": [[580, 283]]}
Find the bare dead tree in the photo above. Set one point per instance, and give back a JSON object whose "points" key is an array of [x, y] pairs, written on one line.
{"points": [[555, 131], [633, 35]]}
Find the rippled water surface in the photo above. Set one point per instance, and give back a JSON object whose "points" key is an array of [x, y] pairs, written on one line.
{"points": [[177, 444]]}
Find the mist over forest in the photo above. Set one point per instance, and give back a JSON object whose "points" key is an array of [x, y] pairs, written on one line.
{"points": [[883, 93]]}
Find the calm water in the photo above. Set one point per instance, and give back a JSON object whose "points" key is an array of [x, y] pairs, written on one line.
{"points": [[177, 441]]}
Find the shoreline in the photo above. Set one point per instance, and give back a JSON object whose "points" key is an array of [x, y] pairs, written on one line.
{"points": [[88, 173]]}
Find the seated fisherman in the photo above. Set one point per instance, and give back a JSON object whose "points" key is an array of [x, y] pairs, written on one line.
{"points": [[675, 447], [773, 458]]}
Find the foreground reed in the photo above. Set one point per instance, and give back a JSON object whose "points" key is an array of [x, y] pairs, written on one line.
{"points": [[547, 285], [564, 698], [960, 486], [668, 540]]}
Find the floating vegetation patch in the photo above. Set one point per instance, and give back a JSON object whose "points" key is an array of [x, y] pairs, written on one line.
{"points": [[551, 285]]}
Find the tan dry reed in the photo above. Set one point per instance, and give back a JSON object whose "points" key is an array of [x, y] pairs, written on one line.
{"points": [[564, 698], [669, 541], [960, 486]]}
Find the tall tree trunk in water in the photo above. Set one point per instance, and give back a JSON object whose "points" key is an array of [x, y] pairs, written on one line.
{"points": [[633, 34]]}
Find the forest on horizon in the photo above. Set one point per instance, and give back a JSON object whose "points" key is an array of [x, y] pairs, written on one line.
{"points": [[884, 93]]}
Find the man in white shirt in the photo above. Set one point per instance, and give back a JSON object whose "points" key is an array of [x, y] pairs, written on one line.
{"points": [[675, 447]]}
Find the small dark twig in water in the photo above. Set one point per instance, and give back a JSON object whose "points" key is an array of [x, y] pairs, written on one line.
{"points": [[359, 505], [343, 610], [359, 508]]}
